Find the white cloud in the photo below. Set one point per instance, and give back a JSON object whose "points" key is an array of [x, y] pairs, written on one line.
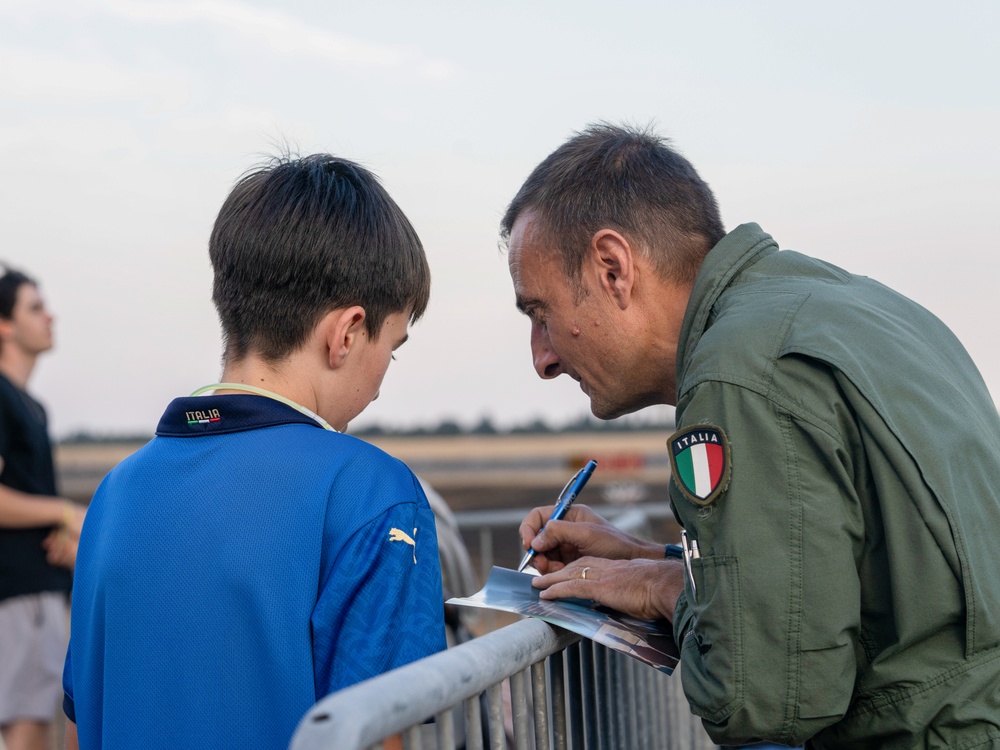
{"points": [[282, 33], [51, 77]]}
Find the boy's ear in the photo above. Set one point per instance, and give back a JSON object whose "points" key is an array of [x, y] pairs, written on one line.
{"points": [[341, 330]]}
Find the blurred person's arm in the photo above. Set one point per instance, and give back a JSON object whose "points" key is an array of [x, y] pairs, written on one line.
{"points": [[72, 740], [20, 510], [60, 548]]}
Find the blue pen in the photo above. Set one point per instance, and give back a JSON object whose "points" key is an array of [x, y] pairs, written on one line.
{"points": [[566, 499]]}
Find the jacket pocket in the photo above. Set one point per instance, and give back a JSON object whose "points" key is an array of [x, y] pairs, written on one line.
{"points": [[826, 681], [712, 652]]}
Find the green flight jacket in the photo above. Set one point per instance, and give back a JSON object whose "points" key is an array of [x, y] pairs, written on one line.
{"points": [[848, 589]]}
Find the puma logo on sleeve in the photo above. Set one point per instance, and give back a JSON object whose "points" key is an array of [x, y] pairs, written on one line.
{"points": [[398, 535]]}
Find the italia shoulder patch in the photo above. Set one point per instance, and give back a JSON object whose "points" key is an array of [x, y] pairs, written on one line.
{"points": [[700, 462]]}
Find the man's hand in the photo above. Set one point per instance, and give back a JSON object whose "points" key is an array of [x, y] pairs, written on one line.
{"points": [[581, 533], [647, 589]]}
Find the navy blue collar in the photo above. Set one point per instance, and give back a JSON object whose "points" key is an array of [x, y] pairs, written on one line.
{"points": [[192, 416]]}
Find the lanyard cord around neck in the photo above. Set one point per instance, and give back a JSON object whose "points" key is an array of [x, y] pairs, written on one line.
{"points": [[269, 394]]}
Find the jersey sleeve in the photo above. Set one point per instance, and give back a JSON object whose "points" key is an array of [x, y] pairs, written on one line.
{"points": [[769, 636], [381, 605]]}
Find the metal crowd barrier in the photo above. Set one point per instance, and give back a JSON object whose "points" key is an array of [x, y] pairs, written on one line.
{"points": [[563, 692], [530, 686]]}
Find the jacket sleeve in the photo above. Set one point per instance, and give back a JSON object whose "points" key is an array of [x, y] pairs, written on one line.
{"points": [[769, 638]]}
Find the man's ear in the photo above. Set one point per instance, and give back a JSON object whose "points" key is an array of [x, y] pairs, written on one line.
{"points": [[612, 258], [340, 331]]}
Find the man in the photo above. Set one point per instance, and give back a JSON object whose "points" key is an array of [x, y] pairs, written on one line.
{"points": [[251, 559], [835, 465], [38, 529]]}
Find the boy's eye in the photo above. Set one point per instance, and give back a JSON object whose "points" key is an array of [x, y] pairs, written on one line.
{"points": [[393, 356]]}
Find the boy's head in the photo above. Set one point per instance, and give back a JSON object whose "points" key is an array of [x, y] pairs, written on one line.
{"points": [[301, 237]]}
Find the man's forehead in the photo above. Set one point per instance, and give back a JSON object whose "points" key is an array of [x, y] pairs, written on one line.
{"points": [[526, 231], [526, 263], [527, 247]]}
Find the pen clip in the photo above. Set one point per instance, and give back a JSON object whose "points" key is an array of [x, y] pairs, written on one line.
{"points": [[688, 555], [565, 489]]}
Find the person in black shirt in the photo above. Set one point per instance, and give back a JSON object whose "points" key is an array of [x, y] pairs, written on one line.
{"points": [[38, 530]]}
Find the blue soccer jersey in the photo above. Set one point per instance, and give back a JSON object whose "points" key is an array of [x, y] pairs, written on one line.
{"points": [[239, 567]]}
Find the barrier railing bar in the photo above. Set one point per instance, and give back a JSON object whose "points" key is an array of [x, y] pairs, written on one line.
{"points": [[557, 679], [473, 724], [588, 697], [573, 696], [540, 696], [494, 711], [412, 739], [445, 721], [601, 693], [519, 709]]}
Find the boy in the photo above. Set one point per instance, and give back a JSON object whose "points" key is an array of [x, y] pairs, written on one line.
{"points": [[250, 559]]}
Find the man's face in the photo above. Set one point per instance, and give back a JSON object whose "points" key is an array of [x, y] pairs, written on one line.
{"points": [[576, 331], [30, 325]]}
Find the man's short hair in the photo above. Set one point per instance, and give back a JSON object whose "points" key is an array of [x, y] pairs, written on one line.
{"points": [[10, 282], [626, 179], [300, 237]]}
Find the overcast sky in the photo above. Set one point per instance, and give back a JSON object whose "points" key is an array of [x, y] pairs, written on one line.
{"points": [[863, 133]]}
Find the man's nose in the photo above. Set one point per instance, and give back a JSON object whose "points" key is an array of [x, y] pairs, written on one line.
{"points": [[546, 361]]}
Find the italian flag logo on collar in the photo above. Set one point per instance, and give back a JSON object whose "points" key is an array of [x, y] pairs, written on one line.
{"points": [[699, 459]]}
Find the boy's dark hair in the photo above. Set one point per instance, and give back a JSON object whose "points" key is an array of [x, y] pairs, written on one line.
{"points": [[630, 180], [10, 282], [300, 237]]}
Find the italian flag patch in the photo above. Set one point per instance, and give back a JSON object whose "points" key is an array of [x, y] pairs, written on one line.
{"points": [[699, 459]]}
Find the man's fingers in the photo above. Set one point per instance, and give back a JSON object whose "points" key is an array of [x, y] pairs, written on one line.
{"points": [[539, 517], [566, 573], [533, 522], [642, 588], [579, 580]]}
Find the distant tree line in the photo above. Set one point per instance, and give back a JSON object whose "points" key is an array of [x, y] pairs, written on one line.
{"points": [[446, 427], [535, 426], [85, 437]]}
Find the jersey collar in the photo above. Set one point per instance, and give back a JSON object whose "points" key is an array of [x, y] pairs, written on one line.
{"points": [[192, 416]]}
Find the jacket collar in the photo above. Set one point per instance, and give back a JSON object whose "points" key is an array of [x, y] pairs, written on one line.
{"points": [[740, 248]]}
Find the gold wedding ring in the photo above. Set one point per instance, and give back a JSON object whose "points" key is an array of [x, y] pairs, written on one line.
{"points": [[585, 573]]}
